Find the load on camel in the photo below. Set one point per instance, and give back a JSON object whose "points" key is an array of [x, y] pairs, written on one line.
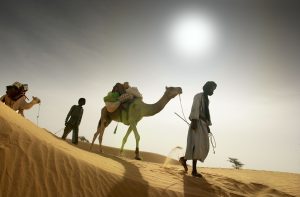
{"points": [[121, 96], [130, 115], [15, 98]]}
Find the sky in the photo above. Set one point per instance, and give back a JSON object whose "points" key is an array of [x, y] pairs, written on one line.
{"points": [[66, 50]]}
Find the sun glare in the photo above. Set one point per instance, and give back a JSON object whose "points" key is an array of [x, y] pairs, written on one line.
{"points": [[193, 36]]}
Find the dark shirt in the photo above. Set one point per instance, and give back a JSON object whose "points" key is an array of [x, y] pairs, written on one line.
{"points": [[74, 116]]}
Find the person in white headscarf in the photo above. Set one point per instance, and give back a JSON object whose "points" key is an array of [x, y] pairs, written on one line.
{"points": [[197, 146]]}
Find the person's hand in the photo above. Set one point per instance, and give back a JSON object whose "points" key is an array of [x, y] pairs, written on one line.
{"points": [[208, 129], [194, 124]]}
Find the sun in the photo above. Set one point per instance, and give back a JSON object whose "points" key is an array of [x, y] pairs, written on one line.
{"points": [[193, 36]]}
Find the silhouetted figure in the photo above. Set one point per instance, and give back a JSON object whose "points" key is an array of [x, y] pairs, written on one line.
{"points": [[73, 120], [197, 146]]}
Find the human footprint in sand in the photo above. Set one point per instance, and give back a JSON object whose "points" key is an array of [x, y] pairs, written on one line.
{"points": [[197, 141]]}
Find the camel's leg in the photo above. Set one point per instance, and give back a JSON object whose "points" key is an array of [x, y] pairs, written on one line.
{"points": [[103, 123], [94, 138], [100, 131], [96, 134], [137, 139], [102, 128], [125, 139], [21, 112]]}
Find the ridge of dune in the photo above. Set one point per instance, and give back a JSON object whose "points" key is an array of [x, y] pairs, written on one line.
{"points": [[129, 154], [35, 163]]}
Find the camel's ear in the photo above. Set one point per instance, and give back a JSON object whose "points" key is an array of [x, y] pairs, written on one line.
{"points": [[166, 87]]}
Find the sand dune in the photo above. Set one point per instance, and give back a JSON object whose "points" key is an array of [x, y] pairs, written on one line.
{"points": [[149, 157], [35, 163]]}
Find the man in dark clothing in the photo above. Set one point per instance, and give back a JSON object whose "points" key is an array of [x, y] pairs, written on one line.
{"points": [[73, 120]]}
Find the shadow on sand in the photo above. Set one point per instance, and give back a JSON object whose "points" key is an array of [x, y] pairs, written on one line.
{"points": [[193, 186], [226, 187], [132, 184]]}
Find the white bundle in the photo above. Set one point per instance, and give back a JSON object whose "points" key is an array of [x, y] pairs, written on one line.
{"points": [[134, 91]]}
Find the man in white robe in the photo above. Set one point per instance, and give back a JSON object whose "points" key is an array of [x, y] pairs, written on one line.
{"points": [[197, 146]]}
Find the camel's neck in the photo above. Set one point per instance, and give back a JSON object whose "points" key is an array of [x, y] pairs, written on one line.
{"points": [[152, 109]]}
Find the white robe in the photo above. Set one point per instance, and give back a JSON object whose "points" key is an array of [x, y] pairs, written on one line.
{"points": [[197, 141]]}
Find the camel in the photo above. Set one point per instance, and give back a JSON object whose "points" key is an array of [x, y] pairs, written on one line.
{"points": [[20, 105], [83, 139], [136, 110]]}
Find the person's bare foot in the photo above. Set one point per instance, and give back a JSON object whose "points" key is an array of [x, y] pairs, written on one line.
{"points": [[182, 161], [196, 174]]}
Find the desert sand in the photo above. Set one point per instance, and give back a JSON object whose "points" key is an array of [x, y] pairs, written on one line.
{"points": [[34, 162]]}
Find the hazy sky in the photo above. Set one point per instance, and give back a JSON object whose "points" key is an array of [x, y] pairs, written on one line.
{"points": [[66, 50]]}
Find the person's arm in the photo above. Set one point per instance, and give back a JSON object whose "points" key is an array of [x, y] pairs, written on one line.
{"points": [[208, 129], [195, 111], [202, 117], [202, 113], [194, 124], [80, 117], [69, 114]]}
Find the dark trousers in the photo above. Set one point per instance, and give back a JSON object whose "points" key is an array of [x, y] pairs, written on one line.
{"points": [[67, 130]]}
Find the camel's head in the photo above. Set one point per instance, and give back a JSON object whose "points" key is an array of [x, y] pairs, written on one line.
{"points": [[171, 92]]}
